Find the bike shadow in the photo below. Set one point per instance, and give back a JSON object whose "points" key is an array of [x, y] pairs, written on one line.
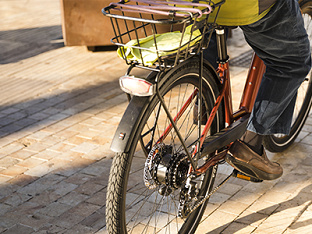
{"points": [[303, 198]]}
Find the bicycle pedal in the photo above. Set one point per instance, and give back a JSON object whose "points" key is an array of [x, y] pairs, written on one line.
{"points": [[242, 176]]}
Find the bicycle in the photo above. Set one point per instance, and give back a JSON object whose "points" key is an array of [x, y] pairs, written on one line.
{"points": [[180, 114]]}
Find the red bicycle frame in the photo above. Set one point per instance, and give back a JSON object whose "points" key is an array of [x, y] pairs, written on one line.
{"points": [[251, 88]]}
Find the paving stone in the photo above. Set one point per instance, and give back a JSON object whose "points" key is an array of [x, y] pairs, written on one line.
{"points": [[60, 129], [98, 198], [9, 110], [71, 157], [22, 154], [93, 169], [245, 197], [103, 151], [102, 231], [16, 199], [89, 188], [65, 167], [68, 220], [11, 128], [54, 209], [73, 198], [39, 115], [17, 115], [8, 161], [85, 147], [96, 221], [79, 178], [55, 229], [80, 229], [36, 221], [63, 188], [41, 184], [274, 197], [91, 122], [263, 207], [4, 179], [102, 178], [41, 169], [44, 198], [19, 228], [76, 140], [25, 122], [251, 218], [30, 162], [233, 207], [238, 228], [60, 147], [13, 171], [6, 120], [39, 135], [230, 188], [37, 147], [4, 140], [44, 155], [77, 214], [52, 140], [101, 139], [11, 148], [88, 134], [4, 208], [214, 223], [258, 188]]}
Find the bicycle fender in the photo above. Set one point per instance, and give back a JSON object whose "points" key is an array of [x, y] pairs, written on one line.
{"points": [[129, 121]]}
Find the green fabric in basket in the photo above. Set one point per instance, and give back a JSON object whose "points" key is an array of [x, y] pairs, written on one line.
{"points": [[167, 43]]}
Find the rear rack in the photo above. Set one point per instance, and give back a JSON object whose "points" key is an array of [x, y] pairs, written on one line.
{"points": [[160, 34]]}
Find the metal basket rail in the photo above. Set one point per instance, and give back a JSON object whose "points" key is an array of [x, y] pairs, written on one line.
{"points": [[136, 21]]}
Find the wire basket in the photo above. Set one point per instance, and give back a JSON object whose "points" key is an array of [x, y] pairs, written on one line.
{"points": [[159, 33]]}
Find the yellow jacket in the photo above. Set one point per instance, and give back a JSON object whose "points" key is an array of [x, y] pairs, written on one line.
{"points": [[242, 12]]}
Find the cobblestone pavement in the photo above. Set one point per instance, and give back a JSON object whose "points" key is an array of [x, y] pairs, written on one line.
{"points": [[59, 109]]}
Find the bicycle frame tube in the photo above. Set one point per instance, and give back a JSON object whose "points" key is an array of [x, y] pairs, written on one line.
{"points": [[252, 85]]}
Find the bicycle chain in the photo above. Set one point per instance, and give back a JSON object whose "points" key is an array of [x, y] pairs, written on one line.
{"points": [[200, 202]]}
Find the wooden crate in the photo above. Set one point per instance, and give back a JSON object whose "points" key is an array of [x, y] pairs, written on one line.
{"points": [[84, 24]]}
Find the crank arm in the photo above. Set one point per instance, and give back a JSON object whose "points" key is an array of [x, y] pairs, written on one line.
{"points": [[225, 136]]}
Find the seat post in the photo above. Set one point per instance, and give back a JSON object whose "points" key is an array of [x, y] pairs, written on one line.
{"points": [[221, 45]]}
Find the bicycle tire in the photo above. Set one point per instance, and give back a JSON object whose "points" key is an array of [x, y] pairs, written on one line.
{"points": [[125, 180], [280, 142]]}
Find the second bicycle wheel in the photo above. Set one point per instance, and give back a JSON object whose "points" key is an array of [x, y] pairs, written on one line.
{"points": [[279, 142], [145, 185]]}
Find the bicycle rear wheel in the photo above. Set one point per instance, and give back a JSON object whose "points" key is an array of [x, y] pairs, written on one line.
{"points": [[151, 205], [279, 142]]}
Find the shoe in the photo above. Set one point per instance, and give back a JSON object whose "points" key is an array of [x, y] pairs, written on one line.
{"points": [[245, 160]]}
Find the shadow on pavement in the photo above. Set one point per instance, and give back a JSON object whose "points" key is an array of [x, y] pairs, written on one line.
{"points": [[24, 43]]}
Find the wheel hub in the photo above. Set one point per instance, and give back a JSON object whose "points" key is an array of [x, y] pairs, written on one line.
{"points": [[165, 169]]}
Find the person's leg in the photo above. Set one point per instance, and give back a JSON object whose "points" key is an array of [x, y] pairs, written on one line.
{"points": [[280, 40]]}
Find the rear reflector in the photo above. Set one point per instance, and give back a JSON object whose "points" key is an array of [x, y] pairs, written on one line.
{"points": [[136, 86]]}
